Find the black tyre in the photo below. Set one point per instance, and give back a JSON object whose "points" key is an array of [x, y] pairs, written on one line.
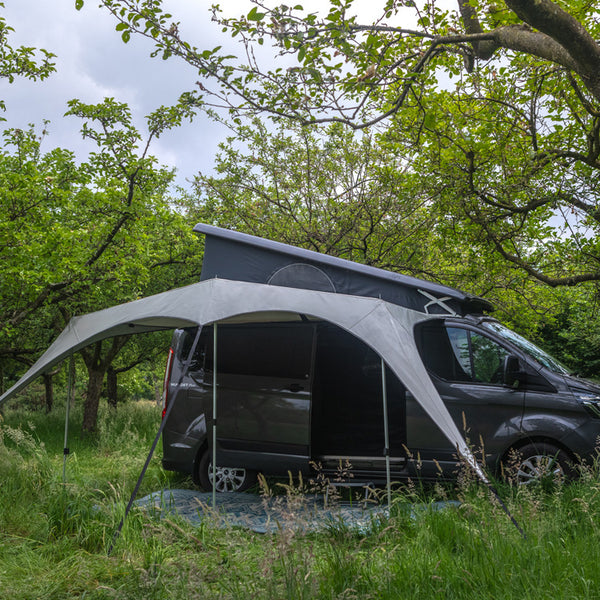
{"points": [[541, 463], [228, 479]]}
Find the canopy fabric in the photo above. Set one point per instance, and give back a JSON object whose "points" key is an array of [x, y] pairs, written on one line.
{"points": [[385, 327]]}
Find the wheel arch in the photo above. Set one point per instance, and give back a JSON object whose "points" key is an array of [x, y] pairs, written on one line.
{"points": [[536, 439], [201, 450]]}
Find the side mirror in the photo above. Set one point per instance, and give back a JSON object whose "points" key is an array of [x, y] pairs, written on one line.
{"points": [[513, 376]]}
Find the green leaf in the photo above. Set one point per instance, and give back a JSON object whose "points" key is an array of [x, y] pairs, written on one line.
{"points": [[254, 15], [429, 120]]}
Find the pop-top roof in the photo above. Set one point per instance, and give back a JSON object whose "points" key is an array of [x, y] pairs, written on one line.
{"points": [[242, 257]]}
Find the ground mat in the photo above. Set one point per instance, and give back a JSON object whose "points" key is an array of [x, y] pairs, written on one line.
{"points": [[263, 514]]}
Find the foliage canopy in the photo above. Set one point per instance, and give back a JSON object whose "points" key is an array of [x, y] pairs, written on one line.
{"points": [[75, 238], [497, 104]]}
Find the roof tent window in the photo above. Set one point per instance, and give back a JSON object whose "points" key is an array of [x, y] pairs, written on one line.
{"points": [[302, 276]]}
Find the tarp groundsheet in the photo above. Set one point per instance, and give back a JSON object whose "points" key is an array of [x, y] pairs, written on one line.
{"points": [[269, 514]]}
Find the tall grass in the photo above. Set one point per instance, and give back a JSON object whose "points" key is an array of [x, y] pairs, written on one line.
{"points": [[54, 536]]}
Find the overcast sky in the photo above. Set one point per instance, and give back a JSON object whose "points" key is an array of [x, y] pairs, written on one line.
{"points": [[92, 63]]}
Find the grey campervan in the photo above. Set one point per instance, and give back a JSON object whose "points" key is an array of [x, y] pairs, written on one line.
{"points": [[297, 392]]}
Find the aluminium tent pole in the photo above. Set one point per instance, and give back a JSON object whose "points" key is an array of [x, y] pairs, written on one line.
{"points": [[386, 433], [214, 427], [70, 378]]}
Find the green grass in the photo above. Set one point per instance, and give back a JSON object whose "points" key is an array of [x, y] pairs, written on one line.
{"points": [[54, 537]]}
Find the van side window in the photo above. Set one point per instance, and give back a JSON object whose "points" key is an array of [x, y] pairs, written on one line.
{"points": [[459, 342], [199, 358], [488, 359], [263, 350], [457, 354]]}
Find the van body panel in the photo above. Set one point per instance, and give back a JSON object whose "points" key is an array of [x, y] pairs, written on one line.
{"points": [[578, 441], [264, 388], [254, 411], [264, 393], [554, 416], [489, 418]]}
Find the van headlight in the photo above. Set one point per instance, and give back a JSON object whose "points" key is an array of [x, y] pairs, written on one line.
{"points": [[590, 401]]}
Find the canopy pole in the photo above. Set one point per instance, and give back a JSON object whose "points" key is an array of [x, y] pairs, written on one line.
{"points": [[386, 434], [184, 370], [495, 493], [214, 426], [70, 383]]}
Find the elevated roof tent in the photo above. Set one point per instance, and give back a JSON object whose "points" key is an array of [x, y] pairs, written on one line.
{"points": [[242, 257]]}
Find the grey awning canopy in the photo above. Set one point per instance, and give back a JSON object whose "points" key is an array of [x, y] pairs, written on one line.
{"points": [[386, 327]]}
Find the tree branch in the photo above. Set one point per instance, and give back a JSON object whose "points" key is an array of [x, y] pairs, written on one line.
{"points": [[560, 26]]}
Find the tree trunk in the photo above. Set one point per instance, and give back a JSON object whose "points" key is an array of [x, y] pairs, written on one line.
{"points": [[97, 364], [111, 387], [94, 389], [49, 389]]}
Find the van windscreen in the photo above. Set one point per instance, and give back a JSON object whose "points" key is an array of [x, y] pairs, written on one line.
{"points": [[526, 346]]}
